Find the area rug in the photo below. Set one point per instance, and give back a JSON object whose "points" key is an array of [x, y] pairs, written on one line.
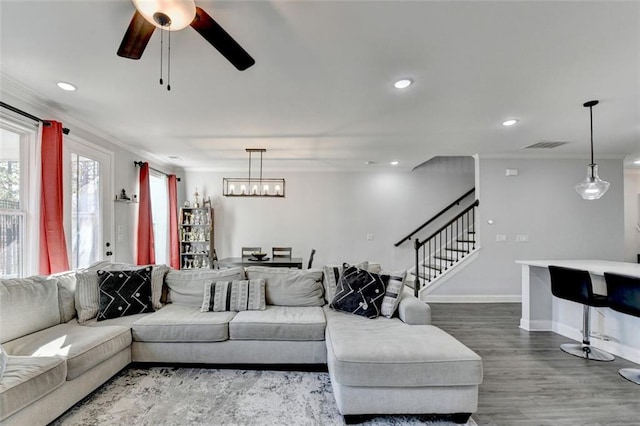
{"points": [[201, 396]]}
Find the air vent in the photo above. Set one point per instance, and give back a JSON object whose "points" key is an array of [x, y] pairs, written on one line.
{"points": [[545, 145]]}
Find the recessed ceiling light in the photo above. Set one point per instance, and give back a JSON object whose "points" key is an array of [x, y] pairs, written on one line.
{"points": [[403, 84], [66, 86], [394, 163], [509, 122]]}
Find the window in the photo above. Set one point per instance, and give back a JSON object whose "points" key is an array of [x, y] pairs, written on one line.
{"points": [[88, 205], [160, 212], [12, 215], [85, 211]]}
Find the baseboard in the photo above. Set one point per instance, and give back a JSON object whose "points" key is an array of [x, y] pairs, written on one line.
{"points": [[615, 348], [536, 325], [472, 298]]}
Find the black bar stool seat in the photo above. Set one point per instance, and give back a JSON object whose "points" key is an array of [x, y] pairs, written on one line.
{"points": [[623, 292], [575, 285]]}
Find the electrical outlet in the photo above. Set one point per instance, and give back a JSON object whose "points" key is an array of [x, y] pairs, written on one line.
{"points": [[369, 237], [501, 238]]}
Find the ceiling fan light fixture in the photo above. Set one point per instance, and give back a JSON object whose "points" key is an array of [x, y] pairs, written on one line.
{"points": [[172, 15]]}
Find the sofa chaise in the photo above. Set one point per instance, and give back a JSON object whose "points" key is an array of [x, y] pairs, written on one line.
{"points": [[58, 353]]}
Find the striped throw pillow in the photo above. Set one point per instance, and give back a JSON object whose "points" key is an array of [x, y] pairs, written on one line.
{"points": [[240, 295], [393, 293]]}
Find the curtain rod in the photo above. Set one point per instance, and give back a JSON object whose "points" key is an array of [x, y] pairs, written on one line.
{"points": [[30, 116], [140, 163]]}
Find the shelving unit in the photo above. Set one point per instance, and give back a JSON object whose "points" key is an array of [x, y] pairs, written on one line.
{"points": [[196, 238]]}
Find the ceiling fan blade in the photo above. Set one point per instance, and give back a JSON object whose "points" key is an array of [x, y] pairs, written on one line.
{"points": [[221, 40], [136, 37]]}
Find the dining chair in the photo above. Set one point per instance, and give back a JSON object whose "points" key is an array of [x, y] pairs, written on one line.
{"points": [[575, 285], [248, 251], [623, 292], [313, 252], [281, 252]]}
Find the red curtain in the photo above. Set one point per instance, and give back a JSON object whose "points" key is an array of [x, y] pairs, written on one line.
{"points": [[146, 252], [174, 244], [53, 245]]}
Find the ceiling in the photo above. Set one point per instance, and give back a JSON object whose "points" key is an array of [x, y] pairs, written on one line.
{"points": [[321, 96]]}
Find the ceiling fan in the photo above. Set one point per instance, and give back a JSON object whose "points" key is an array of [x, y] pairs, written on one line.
{"points": [[174, 15]]}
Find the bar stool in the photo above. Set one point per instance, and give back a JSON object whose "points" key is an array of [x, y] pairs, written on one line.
{"points": [[575, 285], [623, 292]]}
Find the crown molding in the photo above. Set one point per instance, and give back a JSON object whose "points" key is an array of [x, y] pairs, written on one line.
{"points": [[29, 99]]}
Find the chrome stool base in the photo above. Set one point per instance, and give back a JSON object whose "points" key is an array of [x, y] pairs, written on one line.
{"points": [[586, 352], [631, 374]]}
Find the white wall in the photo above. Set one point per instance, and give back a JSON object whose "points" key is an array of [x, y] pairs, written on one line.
{"points": [[540, 202], [334, 212], [632, 214]]}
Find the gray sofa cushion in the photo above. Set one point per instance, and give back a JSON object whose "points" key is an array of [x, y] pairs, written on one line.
{"points": [[388, 352], [3, 361], [182, 323], [26, 306], [66, 282], [28, 379], [186, 287], [279, 323], [290, 287], [82, 347]]}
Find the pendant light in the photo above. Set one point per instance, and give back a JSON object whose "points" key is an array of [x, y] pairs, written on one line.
{"points": [[253, 186], [592, 187]]}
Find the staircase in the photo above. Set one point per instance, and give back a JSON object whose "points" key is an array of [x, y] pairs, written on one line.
{"points": [[440, 253], [444, 249]]}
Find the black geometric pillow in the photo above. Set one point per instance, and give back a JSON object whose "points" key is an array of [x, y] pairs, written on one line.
{"points": [[124, 293], [360, 292]]}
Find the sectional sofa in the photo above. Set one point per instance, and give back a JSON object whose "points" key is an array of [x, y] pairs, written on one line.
{"points": [[59, 352]]}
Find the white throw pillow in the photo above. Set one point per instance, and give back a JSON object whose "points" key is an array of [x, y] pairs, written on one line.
{"points": [[86, 296], [242, 295], [393, 293]]}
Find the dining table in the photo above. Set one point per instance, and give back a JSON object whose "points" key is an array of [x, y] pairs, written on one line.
{"points": [[278, 262]]}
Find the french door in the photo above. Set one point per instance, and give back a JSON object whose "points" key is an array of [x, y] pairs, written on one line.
{"points": [[88, 202]]}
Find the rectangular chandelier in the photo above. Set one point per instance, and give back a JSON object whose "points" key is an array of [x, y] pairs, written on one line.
{"points": [[256, 186]]}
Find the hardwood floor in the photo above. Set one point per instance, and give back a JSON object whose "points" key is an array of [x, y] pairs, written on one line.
{"points": [[529, 381]]}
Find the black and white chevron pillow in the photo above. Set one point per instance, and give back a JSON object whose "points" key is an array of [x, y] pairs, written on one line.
{"points": [[360, 292], [124, 293]]}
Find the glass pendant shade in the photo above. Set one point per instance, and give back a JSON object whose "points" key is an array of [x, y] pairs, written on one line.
{"points": [[179, 12], [592, 187]]}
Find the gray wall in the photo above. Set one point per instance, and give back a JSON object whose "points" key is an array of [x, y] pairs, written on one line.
{"points": [[632, 214], [540, 202], [334, 212]]}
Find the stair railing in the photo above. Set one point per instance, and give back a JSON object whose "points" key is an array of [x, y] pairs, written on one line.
{"points": [[437, 215], [440, 250]]}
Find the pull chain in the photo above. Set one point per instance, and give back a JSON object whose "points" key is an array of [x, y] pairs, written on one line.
{"points": [[161, 45], [169, 63]]}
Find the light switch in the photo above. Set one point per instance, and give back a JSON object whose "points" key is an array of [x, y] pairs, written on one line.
{"points": [[522, 238], [501, 238]]}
